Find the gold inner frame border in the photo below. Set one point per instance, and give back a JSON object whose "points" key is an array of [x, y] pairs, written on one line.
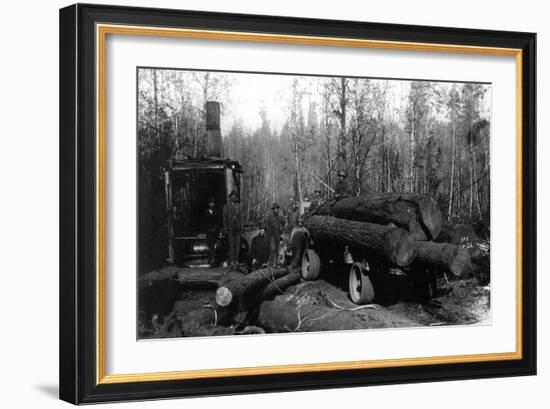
{"points": [[102, 30]]}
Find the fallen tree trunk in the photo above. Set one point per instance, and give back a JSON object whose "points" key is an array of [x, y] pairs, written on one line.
{"points": [[279, 286], [241, 294], [283, 316], [447, 256], [229, 276], [200, 277], [419, 214], [395, 244]]}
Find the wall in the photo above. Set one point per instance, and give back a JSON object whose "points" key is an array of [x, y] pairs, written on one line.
{"points": [[28, 164]]}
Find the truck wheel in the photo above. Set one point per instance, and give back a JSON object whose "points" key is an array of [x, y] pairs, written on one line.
{"points": [[361, 290], [311, 265]]}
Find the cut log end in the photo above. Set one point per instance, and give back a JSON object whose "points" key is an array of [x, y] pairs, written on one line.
{"points": [[223, 297], [431, 216], [450, 257], [461, 263], [400, 247]]}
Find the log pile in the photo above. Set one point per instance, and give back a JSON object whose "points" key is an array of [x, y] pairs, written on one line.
{"points": [[404, 229], [419, 214], [235, 305], [394, 243]]}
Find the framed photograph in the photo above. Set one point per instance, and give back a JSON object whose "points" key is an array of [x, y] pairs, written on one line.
{"points": [[257, 203]]}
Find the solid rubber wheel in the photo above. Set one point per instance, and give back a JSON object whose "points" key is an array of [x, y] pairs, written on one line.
{"points": [[311, 265], [361, 290]]}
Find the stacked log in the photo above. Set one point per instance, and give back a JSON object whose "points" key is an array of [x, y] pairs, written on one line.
{"points": [[403, 228], [446, 256], [417, 213], [393, 243]]}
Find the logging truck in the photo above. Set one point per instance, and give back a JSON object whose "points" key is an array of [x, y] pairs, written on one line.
{"points": [[385, 241]]}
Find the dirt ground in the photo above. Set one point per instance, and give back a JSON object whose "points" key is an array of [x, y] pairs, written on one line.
{"points": [[460, 302]]}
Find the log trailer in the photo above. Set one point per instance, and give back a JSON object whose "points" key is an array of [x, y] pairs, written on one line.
{"points": [[385, 243]]}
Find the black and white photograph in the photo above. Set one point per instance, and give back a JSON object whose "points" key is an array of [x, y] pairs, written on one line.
{"points": [[284, 203]]}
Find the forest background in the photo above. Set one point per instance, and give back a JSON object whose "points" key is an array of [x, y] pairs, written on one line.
{"points": [[293, 134]]}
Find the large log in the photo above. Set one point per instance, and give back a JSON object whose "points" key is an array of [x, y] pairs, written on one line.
{"points": [[239, 294], [395, 244], [463, 235], [200, 277], [417, 213], [283, 316], [449, 257], [279, 286]]}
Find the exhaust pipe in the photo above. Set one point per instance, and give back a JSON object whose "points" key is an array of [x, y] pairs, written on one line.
{"points": [[213, 133]]}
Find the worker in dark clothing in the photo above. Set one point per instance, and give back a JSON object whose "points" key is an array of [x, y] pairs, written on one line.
{"points": [[232, 223], [341, 189], [293, 217], [212, 226], [299, 239], [275, 224], [260, 249], [317, 200]]}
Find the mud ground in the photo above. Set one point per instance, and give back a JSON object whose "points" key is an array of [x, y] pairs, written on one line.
{"points": [[457, 302]]}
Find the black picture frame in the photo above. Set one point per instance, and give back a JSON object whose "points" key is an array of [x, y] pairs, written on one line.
{"points": [[78, 236]]}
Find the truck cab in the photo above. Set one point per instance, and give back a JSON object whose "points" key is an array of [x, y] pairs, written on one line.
{"points": [[189, 184]]}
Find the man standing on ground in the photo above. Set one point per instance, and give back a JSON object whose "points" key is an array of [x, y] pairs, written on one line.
{"points": [[212, 227], [275, 224], [293, 217], [299, 239], [260, 249], [232, 223]]}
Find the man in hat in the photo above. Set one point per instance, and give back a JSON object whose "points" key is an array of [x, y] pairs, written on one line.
{"points": [[260, 248], [293, 216], [317, 200], [341, 189], [298, 239], [212, 227], [232, 223], [275, 224]]}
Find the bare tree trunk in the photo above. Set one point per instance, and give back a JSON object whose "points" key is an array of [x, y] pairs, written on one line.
{"points": [[476, 189], [155, 92], [343, 108], [453, 154], [412, 147]]}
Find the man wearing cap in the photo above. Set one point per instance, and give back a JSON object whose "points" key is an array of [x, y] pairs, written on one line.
{"points": [[341, 189], [212, 227], [275, 224], [260, 248], [232, 223]]}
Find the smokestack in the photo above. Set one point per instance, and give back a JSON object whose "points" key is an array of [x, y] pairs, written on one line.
{"points": [[213, 133]]}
